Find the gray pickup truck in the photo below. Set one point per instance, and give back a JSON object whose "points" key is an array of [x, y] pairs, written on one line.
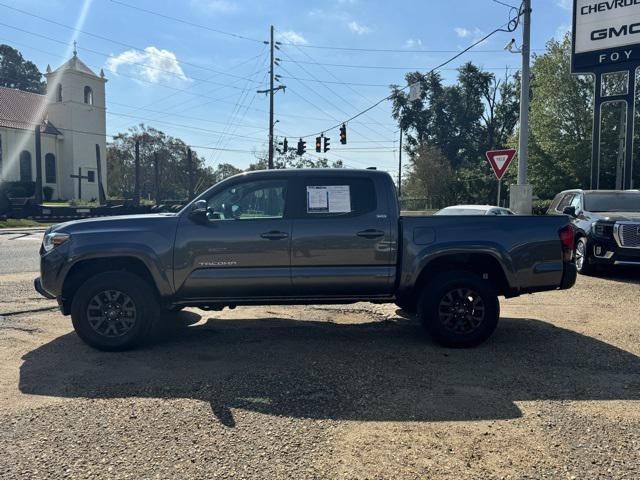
{"points": [[300, 237]]}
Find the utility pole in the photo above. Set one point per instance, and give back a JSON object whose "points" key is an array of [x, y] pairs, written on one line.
{"points": [[156, 172], [38, 166], [190, 168], [521, 194], [136, 191], [273, 45], [400, 167]]}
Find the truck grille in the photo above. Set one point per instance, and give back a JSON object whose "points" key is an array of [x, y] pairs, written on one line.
{"points": [[628, 234]]}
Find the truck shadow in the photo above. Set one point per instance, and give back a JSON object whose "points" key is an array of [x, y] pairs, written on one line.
{"points": [[380, 371]]}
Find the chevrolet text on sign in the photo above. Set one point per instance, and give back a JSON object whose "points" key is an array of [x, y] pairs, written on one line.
{"points": [[605, 33]]}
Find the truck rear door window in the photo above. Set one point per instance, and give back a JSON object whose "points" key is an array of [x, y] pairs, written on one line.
{"points": [[338, 196]]}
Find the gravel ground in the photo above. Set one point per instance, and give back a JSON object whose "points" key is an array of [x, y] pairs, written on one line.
{"points": [[354, 392]]}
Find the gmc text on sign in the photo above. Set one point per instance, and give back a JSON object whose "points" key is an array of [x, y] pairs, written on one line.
{"points": [[606, 33]]}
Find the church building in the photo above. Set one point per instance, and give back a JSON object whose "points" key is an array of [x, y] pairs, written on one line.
{"points": [[72, 121]]}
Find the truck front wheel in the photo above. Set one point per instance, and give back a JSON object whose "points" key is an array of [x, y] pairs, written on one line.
{"points": [[114, 310], [459, 309]]}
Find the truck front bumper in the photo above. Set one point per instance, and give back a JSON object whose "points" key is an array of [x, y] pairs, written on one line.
{"points": [[608, 252], [37, 284]]}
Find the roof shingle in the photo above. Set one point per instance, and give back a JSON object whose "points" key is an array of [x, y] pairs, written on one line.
{"points": [[24, 110]]}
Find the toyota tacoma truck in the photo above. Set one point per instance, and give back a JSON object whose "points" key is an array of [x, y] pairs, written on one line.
{"points": [[322, 236]]}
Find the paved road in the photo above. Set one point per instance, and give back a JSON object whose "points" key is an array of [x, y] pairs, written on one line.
{"points": [[19, 252]]}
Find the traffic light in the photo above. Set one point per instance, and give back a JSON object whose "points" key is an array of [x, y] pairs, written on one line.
{"points": [[318, 144], [326, 144], [343, 134], [285, 145], [302, 147]]}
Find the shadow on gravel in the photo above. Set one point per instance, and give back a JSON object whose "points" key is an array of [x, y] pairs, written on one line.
{"points": [[621, 274], [382, 371]]}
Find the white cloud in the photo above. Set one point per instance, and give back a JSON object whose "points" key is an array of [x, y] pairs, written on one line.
{"points": [[358, 28], [215, 6], [462, 32], [292, 37], [565, 4], [152, 64], [413, 43], [562, 30], [474, 34]]}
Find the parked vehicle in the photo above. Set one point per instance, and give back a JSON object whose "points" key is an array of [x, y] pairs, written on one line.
{"points": [[299, 237], [474, 210], [607, 224]]}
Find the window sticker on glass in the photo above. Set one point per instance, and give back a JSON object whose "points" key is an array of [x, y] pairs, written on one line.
{"points": [[329, 199]]}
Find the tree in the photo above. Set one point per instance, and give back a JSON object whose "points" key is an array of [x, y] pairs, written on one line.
{"points": [[225, 170], [172, 165], [16, 72], [291, 160], [560, 122], [460, 122], [431, 177]]}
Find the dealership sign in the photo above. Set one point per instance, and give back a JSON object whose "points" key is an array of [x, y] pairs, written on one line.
{"points": [[606, 33]]}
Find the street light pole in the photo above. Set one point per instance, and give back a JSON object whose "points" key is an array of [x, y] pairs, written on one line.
{"points": [[521, 194]]}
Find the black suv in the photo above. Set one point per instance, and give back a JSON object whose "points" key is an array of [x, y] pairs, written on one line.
{"points": [[607, 224]]}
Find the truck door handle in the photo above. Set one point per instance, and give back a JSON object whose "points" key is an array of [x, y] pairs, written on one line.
{"points": [[370, 233], [274, 235]]}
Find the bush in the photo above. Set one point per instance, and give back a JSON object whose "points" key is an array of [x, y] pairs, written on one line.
{"points": [[47, 191], [18, 189], [540, 207]]}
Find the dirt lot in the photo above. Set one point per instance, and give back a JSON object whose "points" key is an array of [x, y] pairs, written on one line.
{"points": [[327, 392]]}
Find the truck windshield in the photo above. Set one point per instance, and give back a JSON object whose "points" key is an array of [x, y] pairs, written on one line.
{"points": [[612, 202]]}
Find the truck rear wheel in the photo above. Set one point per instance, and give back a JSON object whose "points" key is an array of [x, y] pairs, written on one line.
{"points": [[114, 310], [459, 309]]}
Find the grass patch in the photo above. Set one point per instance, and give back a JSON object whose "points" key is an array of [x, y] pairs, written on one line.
{"points": [[21, 223]]}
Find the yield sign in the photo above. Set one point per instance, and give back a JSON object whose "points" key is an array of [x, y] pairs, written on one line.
{"points": [[500, 160]]}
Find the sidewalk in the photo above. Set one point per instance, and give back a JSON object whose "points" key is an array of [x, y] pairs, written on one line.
{"points": [[26, 230]]}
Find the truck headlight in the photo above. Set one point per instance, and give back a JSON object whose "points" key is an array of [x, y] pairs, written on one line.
{"points": [[53, 240], [604, 230]]}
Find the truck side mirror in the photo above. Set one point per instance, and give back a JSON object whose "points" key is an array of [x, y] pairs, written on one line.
{"points": [[198, 213], [569, 210]]}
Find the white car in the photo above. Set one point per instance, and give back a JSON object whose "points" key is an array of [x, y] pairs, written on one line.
{"points": [[474, 210]]}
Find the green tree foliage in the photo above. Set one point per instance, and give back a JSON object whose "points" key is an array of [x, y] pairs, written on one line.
{"points": [[172, 165], [291, 160], [561, 122], [453, 126], [16, 72]]}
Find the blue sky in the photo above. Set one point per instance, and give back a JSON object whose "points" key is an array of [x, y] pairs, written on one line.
{"points": [[200, 84]]}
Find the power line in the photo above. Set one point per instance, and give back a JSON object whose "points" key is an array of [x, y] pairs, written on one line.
{"points": [[100, 134], [511, 25], [340, 97], [387, 85], [186, 22], [126, 45], [375, 67], [390, 50]]}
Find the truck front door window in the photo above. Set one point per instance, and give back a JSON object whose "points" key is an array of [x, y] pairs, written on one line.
{"points": [[249, 201]]}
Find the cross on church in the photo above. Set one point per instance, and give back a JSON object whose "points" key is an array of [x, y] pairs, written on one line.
{"points": [[80, 178]]}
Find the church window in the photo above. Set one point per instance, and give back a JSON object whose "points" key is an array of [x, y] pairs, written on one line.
{"points": [[50, 168], [25, 167], [59, 93], [91, 176], [88, 95]]}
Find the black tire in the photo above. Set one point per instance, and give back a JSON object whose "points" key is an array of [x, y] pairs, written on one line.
{"points": [[174, 309], [407, 305], [114, 311], [584, 264], [459, 309]]}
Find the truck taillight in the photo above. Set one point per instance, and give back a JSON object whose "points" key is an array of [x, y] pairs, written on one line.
{"points": [[567, 239]]}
